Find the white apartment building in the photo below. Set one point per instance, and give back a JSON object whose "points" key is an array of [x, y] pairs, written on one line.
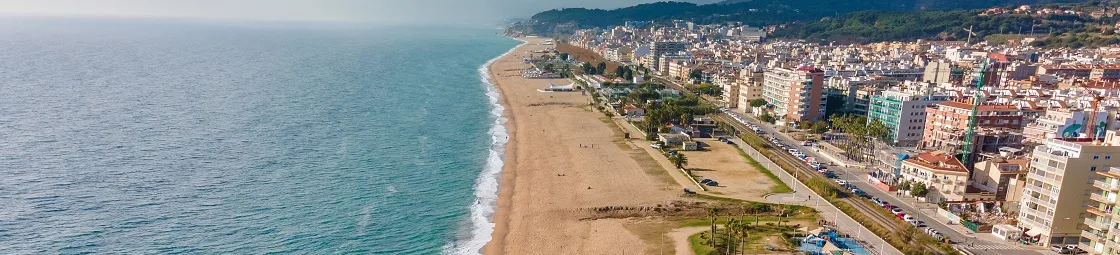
{"points": [[1062, 173]]}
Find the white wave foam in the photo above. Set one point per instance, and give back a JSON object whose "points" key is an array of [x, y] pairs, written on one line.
{"points": [[486, 186]]}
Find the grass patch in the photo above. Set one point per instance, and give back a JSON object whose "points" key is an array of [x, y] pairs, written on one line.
{"points": [[779, 186], [754, 242], [698, 246]]}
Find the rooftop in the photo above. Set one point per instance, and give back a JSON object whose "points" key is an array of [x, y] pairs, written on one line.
{"points": [[938, 160]]}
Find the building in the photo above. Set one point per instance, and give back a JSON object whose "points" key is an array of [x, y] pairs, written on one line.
{"points": [[1102, 230], [796, 94], [730, 87], [1058, 122], [1056, 193], [664, 48], [944, 176], [750, 86], [1005, 177], [947, 125], [904, 113]]}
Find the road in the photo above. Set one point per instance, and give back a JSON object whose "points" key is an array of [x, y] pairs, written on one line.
{"points": [[923, 211], [856, 176]]}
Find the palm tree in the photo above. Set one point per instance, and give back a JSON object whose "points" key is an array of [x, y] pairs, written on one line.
{"points": [[742, 235], [713, 212], [731, 229], [679, 159]]}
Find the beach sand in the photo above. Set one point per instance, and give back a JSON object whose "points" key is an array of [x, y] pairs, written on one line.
{"points": [[562, 157]]}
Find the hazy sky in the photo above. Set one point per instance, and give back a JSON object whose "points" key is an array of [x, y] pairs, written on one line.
{"points": [[385, 11]]}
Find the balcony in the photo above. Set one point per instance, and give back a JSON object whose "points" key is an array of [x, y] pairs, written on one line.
{"points": [[1085, 246], [1040, 201], [1098, 211], [1105, 186], [1092, 223], [1091, 235], [1100, 198]]}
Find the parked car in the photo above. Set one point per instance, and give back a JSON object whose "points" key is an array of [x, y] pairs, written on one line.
{"points": [[887, 205], [918, 223], [705, 180], [1059, 249], [896, 211], [712, 183]]}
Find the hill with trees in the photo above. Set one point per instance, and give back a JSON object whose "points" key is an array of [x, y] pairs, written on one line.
{"points": [[1068, 30], [754, 12]]}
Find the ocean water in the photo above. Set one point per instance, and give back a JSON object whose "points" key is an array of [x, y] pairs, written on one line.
{"points": [[123, 136]]}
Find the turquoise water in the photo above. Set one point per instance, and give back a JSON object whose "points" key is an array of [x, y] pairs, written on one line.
{"points": [[180, 137]]}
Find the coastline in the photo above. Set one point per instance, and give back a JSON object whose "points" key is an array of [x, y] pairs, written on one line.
{"points": [[562, 157], [488, 184]]}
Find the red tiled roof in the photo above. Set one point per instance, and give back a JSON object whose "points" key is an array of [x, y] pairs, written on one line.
{"points": [[938, 160]]}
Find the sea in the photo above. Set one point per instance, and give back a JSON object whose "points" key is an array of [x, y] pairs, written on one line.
{"points": [[163, 136]]}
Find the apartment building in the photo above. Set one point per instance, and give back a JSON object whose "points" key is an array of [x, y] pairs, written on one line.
{"points": [[730, 85], [947, 125], [796, 94], [750, 86], [1102, 232], [1059, 122], [663, 48], [1062, 173], [904, 113]]}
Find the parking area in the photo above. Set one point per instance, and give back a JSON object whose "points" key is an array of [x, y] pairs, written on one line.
{"points": [[722, 163]]}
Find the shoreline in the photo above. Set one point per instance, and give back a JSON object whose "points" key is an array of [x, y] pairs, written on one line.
{"points": [[489, 182], [504, 177], [563, 157]]}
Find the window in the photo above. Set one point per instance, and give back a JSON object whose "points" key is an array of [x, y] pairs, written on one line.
{"points": [[1096, 156], [1108, 156], [1093, 169]]}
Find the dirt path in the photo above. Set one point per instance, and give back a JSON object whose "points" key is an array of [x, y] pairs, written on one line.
{"points": [[680, 238]]}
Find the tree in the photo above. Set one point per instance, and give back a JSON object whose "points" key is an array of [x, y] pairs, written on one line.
{"points": [[563, 56], [601, 68], [619, 71], [628, 74], [820, 127], [804, 125], [918, 190], [767, 118], [905, 185], [695, 74], [679, 160], [758, 102], [712, 213]]}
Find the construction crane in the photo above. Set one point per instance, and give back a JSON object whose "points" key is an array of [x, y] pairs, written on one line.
{"points": [[966, 157]]}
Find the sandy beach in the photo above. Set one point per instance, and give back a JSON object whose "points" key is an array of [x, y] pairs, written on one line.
{"points": [[563, 157]]}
